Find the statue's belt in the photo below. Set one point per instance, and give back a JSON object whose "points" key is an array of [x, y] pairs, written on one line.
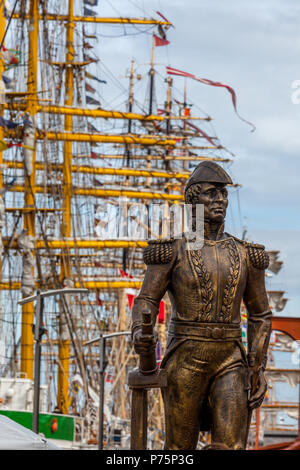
{"points": [[202, 330]]}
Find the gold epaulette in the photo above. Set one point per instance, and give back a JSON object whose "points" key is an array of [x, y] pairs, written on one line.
{"points": [[159, 251], [258, 256]]}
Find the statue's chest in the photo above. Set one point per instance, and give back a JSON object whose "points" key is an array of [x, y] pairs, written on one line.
{"points": [[216, 270], [219, 261]]}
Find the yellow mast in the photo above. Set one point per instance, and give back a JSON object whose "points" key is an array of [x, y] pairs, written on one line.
{"points": [[96, 19], [95, 113], [93, 285], [108, 193], [29, 198], [104, 138], [127, 171], [64, 341]]}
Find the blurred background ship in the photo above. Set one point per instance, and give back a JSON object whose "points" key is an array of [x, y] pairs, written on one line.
{"points": [[76, 140]]}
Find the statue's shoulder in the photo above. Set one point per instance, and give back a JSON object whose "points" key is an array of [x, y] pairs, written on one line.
{"points": [[259, 258], [159, 251]]}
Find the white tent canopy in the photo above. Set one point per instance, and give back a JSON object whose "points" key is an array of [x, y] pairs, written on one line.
{"points": [[13, 436]]}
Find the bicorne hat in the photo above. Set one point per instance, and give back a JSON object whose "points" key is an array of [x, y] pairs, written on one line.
{"points": [[208, 172]]}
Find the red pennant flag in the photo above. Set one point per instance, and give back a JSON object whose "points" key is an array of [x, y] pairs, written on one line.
{"points": [[131, 293], [160, 42], [98, 300], [161, 312], [130, 298], [180, 73]]}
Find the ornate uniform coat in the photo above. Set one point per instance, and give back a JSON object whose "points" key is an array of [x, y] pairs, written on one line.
{"points": [[206, 287]]}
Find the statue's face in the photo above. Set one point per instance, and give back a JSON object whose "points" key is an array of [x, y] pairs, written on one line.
{"points": [[214, 197]]}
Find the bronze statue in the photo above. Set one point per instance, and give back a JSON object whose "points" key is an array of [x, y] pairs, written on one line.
{"points": [[212, 383]]}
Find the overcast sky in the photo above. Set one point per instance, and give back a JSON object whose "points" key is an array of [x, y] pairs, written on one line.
{"points": [[254, 47]]}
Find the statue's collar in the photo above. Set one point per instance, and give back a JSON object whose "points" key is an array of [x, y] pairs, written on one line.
{"points": [[213, 233], [221, 237]]}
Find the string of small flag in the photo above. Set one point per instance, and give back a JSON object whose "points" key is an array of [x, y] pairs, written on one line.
{"points": [[88, 88], [159, 41]]}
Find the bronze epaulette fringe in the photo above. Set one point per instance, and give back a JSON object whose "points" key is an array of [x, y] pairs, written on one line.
{"points": [[258, 256], [158, 251]]}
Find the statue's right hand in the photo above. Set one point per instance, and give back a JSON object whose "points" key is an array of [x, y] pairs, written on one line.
{"points": [[143, 344]]}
